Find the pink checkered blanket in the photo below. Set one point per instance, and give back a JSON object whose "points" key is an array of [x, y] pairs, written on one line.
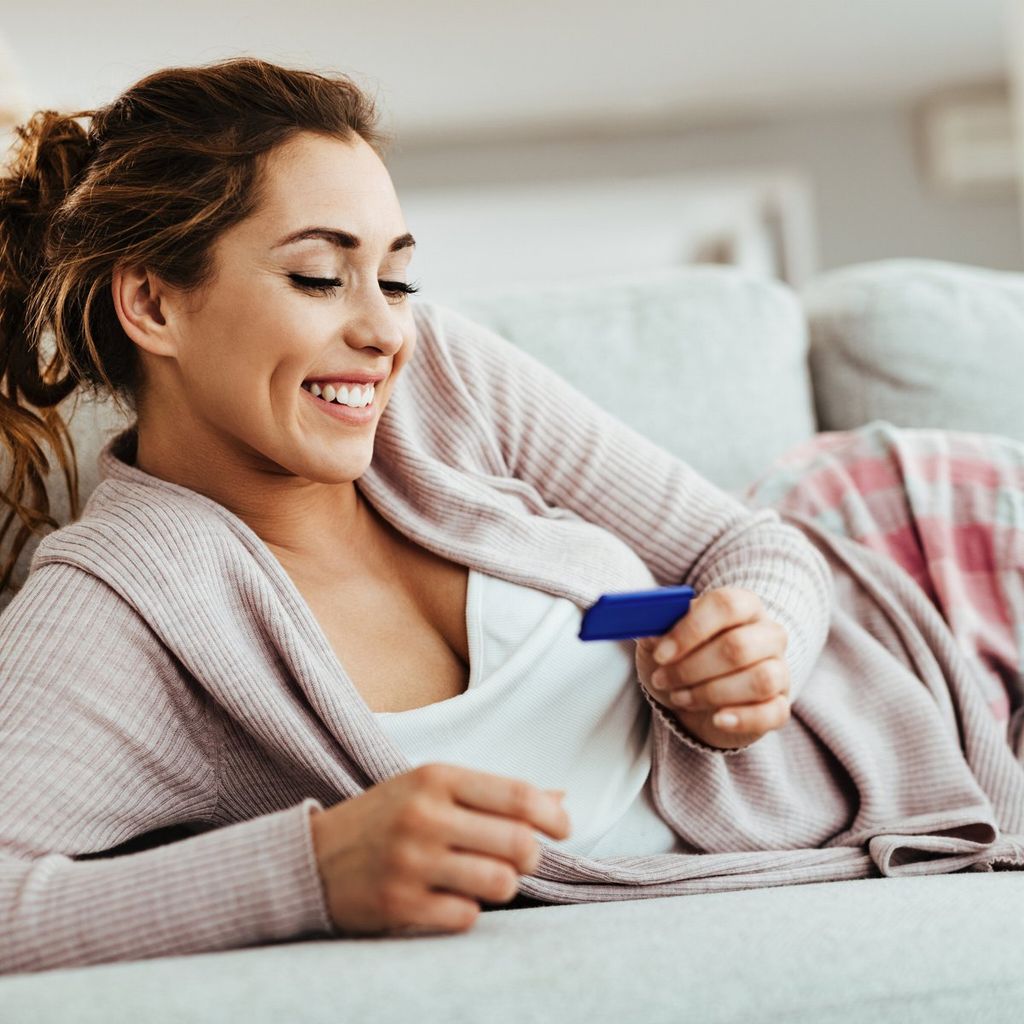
{"points": [[947, 507]]}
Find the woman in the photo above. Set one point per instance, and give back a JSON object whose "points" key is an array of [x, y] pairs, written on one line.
{"points": [[308, 664]]}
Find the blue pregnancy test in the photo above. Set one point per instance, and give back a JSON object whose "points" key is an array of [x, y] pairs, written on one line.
{"points": [[635, 614]]}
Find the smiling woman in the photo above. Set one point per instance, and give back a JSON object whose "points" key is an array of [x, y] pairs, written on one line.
{"points": [[235, 274], [278, 235], [318, 623], [216, 208], [303, 309]]}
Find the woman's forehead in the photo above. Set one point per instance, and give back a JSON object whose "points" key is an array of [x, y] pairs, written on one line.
{"points": [[314, 181], [319, 165]]}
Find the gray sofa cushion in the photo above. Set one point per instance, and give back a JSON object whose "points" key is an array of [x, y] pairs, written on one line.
{"points": [[920, 343], [710, 362], [916, 949]]}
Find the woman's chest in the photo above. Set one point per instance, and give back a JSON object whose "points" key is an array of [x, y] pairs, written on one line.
{"points": [[401, 636]]}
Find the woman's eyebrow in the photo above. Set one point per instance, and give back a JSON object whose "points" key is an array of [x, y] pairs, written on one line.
{"points": [[342, 239]]}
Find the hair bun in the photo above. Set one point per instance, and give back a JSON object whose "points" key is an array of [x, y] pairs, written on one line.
{"points": [[48, 159], [51, 154]]}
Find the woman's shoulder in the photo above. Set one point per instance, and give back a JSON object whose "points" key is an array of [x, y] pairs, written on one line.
{"points": [[124, 520], [159, 549], [61, 611], [459, 337], [461, 354]]}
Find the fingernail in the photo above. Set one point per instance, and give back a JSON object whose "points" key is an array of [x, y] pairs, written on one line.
{"points": [[556, 793], [682, 698], [726, 720], [665, 651]]}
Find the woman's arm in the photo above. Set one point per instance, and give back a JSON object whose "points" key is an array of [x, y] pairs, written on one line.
{"points": [[581, 457], [103, 741]]}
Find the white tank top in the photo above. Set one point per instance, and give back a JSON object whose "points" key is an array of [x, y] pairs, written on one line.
{"points": [[547, 707]]}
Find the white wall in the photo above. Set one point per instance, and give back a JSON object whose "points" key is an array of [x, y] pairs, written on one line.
{"points": [[871, 200], [477, 71], [480, 238], [466, 65]]}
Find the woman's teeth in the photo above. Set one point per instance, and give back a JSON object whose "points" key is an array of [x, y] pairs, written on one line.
{"points": [[354, 395]]}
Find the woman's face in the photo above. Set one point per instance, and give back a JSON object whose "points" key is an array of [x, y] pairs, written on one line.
{"points": [[308, 286]]}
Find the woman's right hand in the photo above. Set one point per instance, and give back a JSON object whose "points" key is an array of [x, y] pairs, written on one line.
{"points": [[418, 852]]}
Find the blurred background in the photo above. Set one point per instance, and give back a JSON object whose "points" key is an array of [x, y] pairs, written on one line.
{"points": [[580, 138]]}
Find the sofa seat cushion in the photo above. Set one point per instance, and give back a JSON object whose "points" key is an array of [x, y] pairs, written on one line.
{"points": [[928, 948]]}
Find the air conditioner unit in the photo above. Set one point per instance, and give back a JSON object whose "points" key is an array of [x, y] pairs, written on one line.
{"points": [[968, 142]]}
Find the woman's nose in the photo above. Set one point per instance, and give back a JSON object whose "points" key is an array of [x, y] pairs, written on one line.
{"points": [[374, 323]]}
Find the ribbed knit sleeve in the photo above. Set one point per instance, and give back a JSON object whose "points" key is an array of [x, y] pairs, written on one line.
{"points": [[103, 739], [580, 456]]}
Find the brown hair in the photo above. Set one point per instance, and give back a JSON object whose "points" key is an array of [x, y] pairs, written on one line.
{"points": [[158, 175]]}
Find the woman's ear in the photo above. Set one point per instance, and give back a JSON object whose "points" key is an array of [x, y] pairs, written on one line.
{"points": [[141, 302]]}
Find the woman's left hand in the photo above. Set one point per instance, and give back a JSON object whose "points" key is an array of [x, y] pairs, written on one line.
{"points": [[728, 660]]}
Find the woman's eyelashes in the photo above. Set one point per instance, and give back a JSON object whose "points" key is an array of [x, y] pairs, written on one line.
{"points": [[321, 285], [326, 286]]}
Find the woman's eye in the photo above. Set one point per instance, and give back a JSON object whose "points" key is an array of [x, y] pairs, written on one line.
{"points": [[394, 290], [397, 290], [321, 285]]}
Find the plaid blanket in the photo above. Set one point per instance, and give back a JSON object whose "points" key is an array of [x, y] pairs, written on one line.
{"points": [[947, 507]]}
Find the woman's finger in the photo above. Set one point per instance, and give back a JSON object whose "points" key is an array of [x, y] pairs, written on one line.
{"points": [[469, 874], [499, 794], [431, 913], [478, 832], [710, 613], [756, 719], [728, 652], [753, 685]]}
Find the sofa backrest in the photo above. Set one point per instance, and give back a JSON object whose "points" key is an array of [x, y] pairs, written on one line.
{"points": [[709, 361]]}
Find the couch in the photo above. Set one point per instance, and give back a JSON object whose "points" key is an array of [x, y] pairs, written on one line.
{"points": [[727, 371]]}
